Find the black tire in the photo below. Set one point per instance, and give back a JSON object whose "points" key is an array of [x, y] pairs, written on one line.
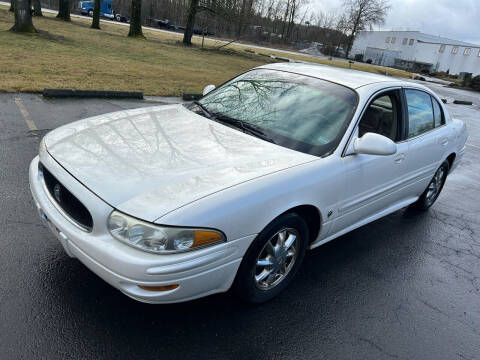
{"points": [[425, 201], [90, 13], [118, 18], [246, 285]]}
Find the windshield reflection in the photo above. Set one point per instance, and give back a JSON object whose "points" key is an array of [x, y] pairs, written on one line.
{"points": [[299, 112]]}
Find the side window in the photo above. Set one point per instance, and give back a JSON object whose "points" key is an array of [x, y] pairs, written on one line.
{"points": [[420, 112], [437, 113], [381, 117]]}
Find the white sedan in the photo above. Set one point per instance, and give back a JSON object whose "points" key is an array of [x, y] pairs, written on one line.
{"points": [[172, 203]]}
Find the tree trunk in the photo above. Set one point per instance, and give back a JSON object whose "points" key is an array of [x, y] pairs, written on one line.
{"points": [[23, 17], [12, 6], [64, 10], [136, 19], [245, 14], [37, 8], [241, 18], [192, 11], [356, 23], [350, 41], [96, 14], [287, 12]]}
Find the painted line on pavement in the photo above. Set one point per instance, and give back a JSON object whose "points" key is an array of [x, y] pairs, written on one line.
{"points": [[26, 116]]}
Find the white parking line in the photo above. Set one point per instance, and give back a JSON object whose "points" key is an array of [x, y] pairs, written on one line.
{"points": [[26, 116]]}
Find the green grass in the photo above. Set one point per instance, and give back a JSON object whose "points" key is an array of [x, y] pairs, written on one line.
{"points": [[71, 55]]}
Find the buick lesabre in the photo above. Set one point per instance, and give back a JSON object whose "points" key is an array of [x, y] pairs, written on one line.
{"points": [[171, 203]]}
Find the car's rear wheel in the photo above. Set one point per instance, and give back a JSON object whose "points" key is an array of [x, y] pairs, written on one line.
{"points": [[431, 193], [273, 259]]}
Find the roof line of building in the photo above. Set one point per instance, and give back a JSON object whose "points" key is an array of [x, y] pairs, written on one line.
{"points": [[440, 39], [415, 31], [467, 45]]}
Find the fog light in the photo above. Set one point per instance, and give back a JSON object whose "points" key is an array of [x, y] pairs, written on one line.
{"points": [[158, 288]]}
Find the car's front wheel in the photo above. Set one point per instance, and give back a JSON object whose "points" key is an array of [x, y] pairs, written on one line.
{"points": [[431, 193], [273, 259], [90, 13]]}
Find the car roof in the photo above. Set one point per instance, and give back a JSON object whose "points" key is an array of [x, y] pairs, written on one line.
{"points": [[346, 77]]}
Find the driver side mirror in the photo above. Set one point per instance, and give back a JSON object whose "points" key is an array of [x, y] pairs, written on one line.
{"points": [[208, 89], [374, 144]]}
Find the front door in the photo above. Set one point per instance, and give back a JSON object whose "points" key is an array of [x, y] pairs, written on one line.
{"points": [[374, 182]]}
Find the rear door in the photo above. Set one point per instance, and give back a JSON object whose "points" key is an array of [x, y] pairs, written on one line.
{"points": [[427, 138]]}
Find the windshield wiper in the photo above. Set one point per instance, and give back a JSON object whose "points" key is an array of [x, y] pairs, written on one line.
{"points": [[207, 113], [246, 127], [253, 130]]}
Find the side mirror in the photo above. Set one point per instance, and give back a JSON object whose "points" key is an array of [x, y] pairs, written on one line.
{"points": [[208, 89], [374, 144]]}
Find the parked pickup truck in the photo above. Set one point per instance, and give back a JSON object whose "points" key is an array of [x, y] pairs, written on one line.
{"points": [[106, 10]]}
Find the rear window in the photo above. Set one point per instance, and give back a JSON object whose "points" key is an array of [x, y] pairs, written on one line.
{"points": [[437, 113], [420, 112]]}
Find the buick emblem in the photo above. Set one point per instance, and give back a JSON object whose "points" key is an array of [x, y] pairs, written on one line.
{"points": [[57, 192]]}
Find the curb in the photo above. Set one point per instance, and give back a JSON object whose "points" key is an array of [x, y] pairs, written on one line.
{"points": [[191, 97], [104, 94]]}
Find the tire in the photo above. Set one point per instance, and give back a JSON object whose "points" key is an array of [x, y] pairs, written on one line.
{"points": [[259, 283], [118, 18], [427, 199], [90, 13]]}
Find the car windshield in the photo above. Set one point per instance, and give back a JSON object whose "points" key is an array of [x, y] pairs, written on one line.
{"points": [[299, 112]]}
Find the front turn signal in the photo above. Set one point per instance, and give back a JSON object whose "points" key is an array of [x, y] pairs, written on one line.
{"points": [[204, 237], [159, 288]]}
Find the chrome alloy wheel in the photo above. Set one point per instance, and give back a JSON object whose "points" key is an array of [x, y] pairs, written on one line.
{"points": [[276, 258], [435, 185]]}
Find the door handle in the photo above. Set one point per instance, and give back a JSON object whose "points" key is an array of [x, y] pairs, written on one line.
{"points": [[399, 158]]}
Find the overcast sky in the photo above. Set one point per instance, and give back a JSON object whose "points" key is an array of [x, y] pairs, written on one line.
{"points": [[456, 19]]}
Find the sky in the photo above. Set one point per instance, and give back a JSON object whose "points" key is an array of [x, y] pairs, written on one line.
{"points": [[455, 19]]}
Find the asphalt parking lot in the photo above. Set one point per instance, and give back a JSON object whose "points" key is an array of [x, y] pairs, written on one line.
{"points": [[404, 287]]}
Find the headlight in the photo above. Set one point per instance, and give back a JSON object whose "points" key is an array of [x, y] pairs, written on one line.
{"points": [[159, 239]]}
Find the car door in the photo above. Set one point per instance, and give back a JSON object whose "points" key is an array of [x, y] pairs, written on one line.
{"points": [[427, 138], [374, 182]]}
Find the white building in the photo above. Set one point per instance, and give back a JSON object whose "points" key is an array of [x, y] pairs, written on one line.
{"points": [[416, 51]]}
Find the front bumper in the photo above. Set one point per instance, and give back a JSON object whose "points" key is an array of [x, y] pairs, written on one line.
{"points": [[198, 273]]}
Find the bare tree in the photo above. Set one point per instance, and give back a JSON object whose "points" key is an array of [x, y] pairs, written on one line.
{"points": [[363, 13], [192, 12], [37, 8], [136, 19], [96, 14], [23, 17], [245, 14], [64, 10]]}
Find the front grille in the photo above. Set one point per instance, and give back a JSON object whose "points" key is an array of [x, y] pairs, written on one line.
{"points": [[64, 199]]}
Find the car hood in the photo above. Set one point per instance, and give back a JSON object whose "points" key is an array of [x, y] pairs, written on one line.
{"points": [[149, 161]]}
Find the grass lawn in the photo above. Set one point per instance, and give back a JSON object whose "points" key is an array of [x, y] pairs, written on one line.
{"points": [[71, 55]]}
